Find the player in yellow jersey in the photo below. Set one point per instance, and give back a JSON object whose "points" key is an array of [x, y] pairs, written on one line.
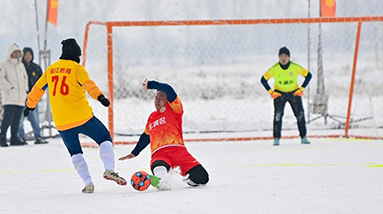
{"points": [[287, 89], [67, 82]]}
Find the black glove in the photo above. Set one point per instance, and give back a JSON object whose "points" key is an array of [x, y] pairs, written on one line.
{"points": [[27, 110], [103, 100]]}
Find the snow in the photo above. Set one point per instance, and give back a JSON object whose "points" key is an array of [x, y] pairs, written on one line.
{"points": [[328, 176]]}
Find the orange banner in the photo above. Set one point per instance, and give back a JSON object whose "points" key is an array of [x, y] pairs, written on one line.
{"points": [[53, 6], [328, 8]]}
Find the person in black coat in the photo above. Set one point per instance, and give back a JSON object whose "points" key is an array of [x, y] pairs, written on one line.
{"points": [[34, 72]]}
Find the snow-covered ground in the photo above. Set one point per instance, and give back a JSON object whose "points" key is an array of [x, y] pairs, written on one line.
{"points": [[328, 176]]}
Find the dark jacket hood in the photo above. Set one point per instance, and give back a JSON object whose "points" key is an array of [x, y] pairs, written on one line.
{"points": [[28, 49]]}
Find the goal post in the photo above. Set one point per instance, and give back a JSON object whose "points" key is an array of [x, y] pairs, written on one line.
{"points": [[215, 67]]}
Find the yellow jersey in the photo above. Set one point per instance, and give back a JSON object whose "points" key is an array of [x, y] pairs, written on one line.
{"points": [[285, 80], [66, 81]]}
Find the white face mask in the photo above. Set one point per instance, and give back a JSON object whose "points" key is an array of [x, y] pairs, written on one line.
{"points": [[14, 61]]}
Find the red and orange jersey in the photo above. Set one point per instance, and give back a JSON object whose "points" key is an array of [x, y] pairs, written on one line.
{"points": [[66, 81], [165, 126]]}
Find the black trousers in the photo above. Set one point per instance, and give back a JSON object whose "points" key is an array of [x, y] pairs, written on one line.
{"points": [[198, 174], [296, 105], [12, 114]]}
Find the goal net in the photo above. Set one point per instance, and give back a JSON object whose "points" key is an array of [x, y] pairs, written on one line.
{"points": [[216, 66]]}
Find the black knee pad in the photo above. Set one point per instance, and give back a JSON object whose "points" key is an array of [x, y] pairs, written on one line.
{"points": [[198, 175], [159, 163]]}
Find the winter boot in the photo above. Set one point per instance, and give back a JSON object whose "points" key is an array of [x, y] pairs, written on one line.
{"points": [[3, 141], [111, 175], [17, 142]]}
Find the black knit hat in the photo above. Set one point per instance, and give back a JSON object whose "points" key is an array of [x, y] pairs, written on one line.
{"points": [[284, 50], [70, 48]]}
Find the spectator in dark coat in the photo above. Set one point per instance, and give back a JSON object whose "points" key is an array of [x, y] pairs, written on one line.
{"points": [[34, 72]]}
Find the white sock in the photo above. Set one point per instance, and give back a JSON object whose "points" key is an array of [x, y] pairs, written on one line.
{"points": [[160, 171], [107, 155], [81, 167]]}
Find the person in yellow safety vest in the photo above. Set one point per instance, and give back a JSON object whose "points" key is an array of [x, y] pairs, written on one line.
{"points": [[286, 89]]}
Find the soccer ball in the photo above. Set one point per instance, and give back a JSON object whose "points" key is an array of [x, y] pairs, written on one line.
{"points": [[140, 180]]}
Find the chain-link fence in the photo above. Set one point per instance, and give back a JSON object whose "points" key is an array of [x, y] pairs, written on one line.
{"points": [[216, 48]]}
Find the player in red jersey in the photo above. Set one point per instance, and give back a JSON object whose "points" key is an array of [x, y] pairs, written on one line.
{"points": [[164, 134]]}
